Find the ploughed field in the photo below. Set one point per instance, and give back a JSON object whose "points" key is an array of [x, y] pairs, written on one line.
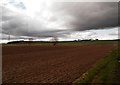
{"points": [[49, 64]]}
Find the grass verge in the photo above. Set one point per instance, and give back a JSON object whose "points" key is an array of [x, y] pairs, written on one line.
{"points": [[104, 71]]}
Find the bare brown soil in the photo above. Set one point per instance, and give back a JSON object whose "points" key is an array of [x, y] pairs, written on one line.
{"points": [[49, 64]]}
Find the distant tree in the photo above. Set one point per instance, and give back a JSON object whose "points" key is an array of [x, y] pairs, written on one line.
{"points": [[54, 40], [96, 39], [78, 39], [75, 40], [30, 39]]}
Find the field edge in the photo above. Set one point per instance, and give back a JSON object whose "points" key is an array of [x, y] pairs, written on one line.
{"points": [[97, 74]]}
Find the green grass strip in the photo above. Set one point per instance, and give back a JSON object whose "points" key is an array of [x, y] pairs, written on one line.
{"points": [[101, 72]]}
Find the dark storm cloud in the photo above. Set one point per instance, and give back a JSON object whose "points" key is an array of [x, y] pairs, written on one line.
{"points": [[89, 15], [77, 16]]}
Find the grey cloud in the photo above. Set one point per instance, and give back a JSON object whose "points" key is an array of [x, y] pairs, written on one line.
{"points": [[19, 25], [8, 14], [89, 15], [77, 16]]}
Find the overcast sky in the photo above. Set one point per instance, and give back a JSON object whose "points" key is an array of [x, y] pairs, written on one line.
{"points": [[66, 20]]}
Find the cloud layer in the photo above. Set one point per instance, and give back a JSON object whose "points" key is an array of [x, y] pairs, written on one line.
{"points": [[58, 18], [89, 15]]}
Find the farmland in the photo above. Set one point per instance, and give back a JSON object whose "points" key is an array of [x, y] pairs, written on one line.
{"points": [[48, 63]]}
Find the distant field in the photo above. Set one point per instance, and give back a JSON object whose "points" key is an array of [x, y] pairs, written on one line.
{"points": [[64, 42], [30, 63]]}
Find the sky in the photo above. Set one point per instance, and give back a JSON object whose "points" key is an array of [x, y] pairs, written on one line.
{"points": [[44, 19]]}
